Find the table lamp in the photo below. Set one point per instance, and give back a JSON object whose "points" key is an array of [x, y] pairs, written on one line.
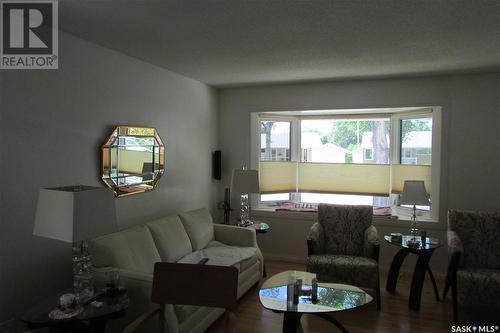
{"points": [[74, 214], [244, 182], [414, 193]]}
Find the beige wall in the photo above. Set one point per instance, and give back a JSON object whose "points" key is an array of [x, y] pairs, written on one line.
{"points": [[53, 124], [470, 145]]}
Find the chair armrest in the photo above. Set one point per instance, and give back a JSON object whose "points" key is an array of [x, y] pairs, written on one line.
{"points": [[132, 327], [235, 236], [455, 250], [371, 243], [315, 240]]}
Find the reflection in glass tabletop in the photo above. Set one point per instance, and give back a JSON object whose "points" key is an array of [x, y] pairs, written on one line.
{"points": [[430, 242], [331, 296]]}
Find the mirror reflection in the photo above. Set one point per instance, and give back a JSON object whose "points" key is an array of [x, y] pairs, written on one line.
{"points": [[133, 160]]}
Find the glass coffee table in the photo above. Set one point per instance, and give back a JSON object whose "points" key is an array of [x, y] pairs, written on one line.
{"points": [[332, 297]]}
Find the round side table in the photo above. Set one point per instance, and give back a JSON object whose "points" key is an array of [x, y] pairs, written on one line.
{"points": [[259, 227], [424, 253], [91, 319]]}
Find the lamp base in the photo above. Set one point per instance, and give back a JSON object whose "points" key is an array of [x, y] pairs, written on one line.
{"points": [[83, 284], [244, 211], [414, 228]]}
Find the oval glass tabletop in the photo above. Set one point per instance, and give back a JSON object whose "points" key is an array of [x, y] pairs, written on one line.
{"points": [[331, 296], [430, 242]]}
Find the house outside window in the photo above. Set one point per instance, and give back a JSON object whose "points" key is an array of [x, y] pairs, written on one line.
{"points": [[368, 154], [347, 158]]}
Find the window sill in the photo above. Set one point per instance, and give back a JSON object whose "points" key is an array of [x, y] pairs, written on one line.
{"points": [[388, 221]]}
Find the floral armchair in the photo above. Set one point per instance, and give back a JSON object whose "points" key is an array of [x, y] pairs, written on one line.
{"points": [[343, 247], [474, 261]]}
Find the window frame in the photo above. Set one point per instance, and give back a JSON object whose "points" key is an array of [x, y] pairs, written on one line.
{"points": [[395, 115]]}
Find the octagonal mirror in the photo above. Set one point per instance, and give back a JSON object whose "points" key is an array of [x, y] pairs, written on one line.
{"points": [[133, 160]]}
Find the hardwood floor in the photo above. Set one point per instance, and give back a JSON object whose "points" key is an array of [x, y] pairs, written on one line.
{"points": [[394, 316]]}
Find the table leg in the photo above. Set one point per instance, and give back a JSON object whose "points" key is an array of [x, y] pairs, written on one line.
{"points": [[332, 320], [290, 322], [436, 292], [417, 281], [98, 325], [392, 278]]}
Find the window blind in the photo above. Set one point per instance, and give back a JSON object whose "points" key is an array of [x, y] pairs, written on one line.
{"points": [[278, 177], [400, 173], [368, 179], [364, 179]]}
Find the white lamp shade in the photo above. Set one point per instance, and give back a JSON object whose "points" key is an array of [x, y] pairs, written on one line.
{"points": [[75, 213], [414, 193], [245, 181]]}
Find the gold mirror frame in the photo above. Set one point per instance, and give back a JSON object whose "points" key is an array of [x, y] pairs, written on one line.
{"points": [[132, 160]]}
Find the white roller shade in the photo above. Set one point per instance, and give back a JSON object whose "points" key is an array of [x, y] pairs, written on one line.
{"points": [[278, 177], [368, 179], [400, 173], [363, 179]]}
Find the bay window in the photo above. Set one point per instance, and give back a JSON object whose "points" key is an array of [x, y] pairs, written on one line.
{"points": [[347, 156]]}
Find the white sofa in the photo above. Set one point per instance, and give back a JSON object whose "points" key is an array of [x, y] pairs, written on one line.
{"points": [[179, 238]]}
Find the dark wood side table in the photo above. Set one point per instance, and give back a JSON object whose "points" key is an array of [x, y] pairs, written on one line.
{"points": [[424, 253], [91, 319]]}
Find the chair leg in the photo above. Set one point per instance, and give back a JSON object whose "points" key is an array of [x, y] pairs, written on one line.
{"points": [[454, 297], [162, 318], [446, 287], [229, 320], [378, 296], [447, 283]]}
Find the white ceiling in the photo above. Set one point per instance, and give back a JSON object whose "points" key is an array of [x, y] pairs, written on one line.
{"points": [[240, 42]]}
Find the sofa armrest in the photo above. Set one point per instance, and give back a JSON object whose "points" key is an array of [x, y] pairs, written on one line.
{"points": [[235, 236], [239, 236], [316, 240], [371, 243]]}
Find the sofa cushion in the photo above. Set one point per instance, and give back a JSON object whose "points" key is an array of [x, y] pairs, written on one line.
{"points": [[171, 238], [246, 263], [132, 249], [223, 255], [199, 227]]}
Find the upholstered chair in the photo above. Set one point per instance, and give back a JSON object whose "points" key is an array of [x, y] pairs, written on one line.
{"points": [[474, 262], [343, 247]]}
